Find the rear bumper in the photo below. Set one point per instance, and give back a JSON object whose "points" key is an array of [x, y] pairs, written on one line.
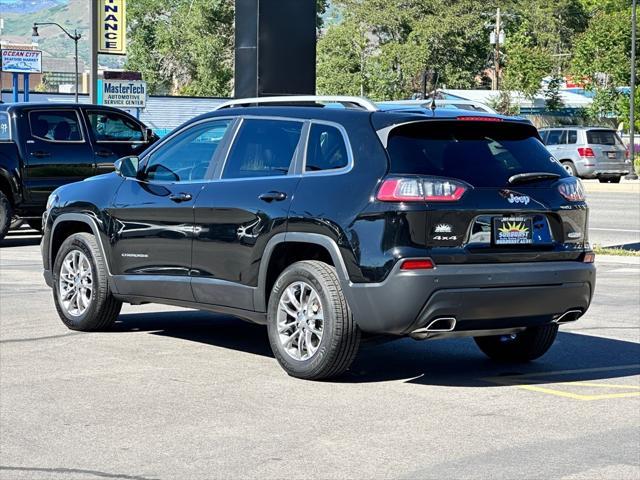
{"points": [[477, 296]]}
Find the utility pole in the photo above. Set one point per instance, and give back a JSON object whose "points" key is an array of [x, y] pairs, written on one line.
{"points": [[93, 52], [496, 69], [632, 101]]}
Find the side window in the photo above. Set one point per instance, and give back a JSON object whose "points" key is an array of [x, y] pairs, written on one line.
{"points": [[263, 148], [55, 126], [326, 150], [544, 135], [114, 127], [188, 156], [572, 137], [4, 127], [555, 137]]}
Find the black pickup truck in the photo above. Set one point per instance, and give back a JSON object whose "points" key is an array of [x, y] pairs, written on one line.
{"points": [[46, 145]]}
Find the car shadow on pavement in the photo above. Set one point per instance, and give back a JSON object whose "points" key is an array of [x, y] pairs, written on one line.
{"points": [[458, 362]]}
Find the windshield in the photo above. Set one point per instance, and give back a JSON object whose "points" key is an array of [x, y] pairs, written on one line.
{"points": [[482, 154]]}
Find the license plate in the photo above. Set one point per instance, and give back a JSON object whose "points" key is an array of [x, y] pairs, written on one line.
{"points": [[612, 155], [513, 230]]}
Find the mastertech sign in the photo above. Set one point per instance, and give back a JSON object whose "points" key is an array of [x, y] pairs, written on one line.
{"points": [[124, 93], [113, 27], [21, 61]]}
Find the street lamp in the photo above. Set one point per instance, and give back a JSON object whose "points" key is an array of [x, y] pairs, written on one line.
{"points": [[75, 37], [632, 100]]}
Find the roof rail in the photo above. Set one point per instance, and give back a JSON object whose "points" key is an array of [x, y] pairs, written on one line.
{"points": [[347, 101]]}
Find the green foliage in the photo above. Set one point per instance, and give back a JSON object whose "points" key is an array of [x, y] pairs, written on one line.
{"points": [[182, 46], [503, 104], [602, 53], [528, 64], [553, 100]]}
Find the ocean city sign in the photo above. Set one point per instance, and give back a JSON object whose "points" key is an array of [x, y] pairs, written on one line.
{"points": [[112, 27], [124, 93], [21, 61]]}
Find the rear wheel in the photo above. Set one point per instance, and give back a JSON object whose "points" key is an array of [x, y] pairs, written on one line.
{"points": [[311, 329], [519, 347], [80, 286], [6, 215], [570, 168]]}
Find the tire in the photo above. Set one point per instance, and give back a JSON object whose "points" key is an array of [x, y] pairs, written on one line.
{"points": [[570, 168], [35, 224], [327, 355], [102, 309], [6, 215], [614, 179], [523, 347]]}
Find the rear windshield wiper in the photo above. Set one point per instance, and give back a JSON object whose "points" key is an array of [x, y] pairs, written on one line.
{"points": [[532, 177]]}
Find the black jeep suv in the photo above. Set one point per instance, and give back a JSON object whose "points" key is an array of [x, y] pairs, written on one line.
{"points": [[323, 223]]}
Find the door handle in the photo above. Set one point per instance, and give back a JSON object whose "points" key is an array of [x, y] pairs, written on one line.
{"points": [[180, 197], [104, 153], [40, 154], [271, 196]]}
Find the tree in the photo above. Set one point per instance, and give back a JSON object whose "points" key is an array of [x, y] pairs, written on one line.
{"points": [[602, 53], [527, 64], [553, 100], [182, 46]]}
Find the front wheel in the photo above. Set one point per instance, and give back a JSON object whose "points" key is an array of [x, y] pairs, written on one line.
{"points": [[311, 330], [6, 215], [80, 286], [519, 347]]}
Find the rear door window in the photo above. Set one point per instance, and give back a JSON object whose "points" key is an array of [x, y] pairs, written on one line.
{"points": [[482, 154], [326, 149], [55, 126], [263, 148], [572, 137], [603, 137]]}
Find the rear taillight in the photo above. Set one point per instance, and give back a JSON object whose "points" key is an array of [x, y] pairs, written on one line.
{"points": [[418, 264], [412, 189], [589, 257], [586, 152], [572, 190], [627, 154]]}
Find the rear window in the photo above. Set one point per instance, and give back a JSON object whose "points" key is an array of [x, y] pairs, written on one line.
{"points": [[603, 137], [4, 126], [482, 154]]}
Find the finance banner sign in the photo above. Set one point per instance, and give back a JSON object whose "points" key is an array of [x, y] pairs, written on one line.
{"points": [[112, 28], [21, 61], [124, 93]]}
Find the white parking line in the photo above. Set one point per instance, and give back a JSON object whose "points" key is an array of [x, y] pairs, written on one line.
{"points": [[614, 230]]}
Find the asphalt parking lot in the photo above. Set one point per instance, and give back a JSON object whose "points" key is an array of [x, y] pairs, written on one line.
{"points": [[174, 393]]}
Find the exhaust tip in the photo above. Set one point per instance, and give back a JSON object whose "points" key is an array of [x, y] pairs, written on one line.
{"points": [[443, 324], [568, 317]]}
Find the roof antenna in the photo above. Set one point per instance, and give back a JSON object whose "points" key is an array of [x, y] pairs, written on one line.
{"points": [[433, 105]]}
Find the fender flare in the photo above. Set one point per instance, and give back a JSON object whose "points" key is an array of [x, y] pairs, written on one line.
{"points": [[83, 218], [259, 299]]}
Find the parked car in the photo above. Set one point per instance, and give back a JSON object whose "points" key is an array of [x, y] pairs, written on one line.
{"points": [[44, 146], [323, 223], [589, 152]]}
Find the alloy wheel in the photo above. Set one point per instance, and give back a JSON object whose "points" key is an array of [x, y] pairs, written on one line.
{"points": [[75, 284], [300, 321]]}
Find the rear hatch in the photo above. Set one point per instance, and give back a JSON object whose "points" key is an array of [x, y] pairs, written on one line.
{"points": [[608, 150], [491, 192]]}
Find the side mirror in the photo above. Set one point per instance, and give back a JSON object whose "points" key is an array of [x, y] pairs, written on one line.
{"points": [[127, 167]]}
